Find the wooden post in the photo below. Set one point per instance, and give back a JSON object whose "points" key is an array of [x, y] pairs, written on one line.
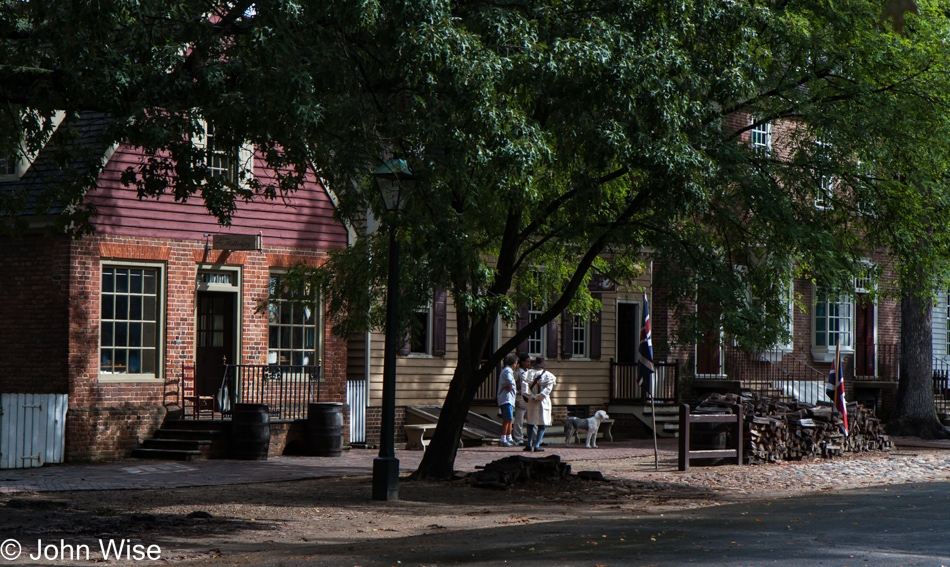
{"points": [[686, 420], [684, 438]]}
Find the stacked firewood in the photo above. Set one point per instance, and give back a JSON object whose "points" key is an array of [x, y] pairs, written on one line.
{"points": [[790, 431]]}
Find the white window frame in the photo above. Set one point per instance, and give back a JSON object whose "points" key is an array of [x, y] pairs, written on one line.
{"points": [[833, 307], [779, 349], [539, 338], [159, 321], [580, 337], [275, 313], [426, 316], [827, 186], [760, 136], [242, 168]]}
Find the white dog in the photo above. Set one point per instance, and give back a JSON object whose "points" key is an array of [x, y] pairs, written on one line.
{"points": [[590, 425]]}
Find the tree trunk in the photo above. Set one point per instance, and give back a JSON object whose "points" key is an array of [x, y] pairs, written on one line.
{"points": [[438, 463], [915, 414]]}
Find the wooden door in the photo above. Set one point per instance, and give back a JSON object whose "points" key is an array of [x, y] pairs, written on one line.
{"points": [[709, 345], [628, 332], [864, 355], [214, 341]]}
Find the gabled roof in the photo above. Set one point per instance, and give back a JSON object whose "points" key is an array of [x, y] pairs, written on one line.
{"points": [[66, 157]]}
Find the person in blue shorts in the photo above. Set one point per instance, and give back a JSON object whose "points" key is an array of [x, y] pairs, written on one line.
{"points": [[506, 398]]}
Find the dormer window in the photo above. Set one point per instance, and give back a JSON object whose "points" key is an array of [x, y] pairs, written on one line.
{"points": [[7, 168]]}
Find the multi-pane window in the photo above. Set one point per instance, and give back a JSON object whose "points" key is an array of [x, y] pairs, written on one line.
{"points": [[130, 304], [760, 137], [826, 191], [579, 337], [832, 320], [7, 166], [220, 158], [538, 339], [292, 329]]}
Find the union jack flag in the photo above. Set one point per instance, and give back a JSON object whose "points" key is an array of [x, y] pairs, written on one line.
{"points": [[645, 351]]}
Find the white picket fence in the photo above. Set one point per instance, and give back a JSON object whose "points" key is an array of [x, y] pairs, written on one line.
{"points": [[32, 429]]}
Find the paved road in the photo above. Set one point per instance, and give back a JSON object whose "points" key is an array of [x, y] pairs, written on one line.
{"points": [[887, 527]]}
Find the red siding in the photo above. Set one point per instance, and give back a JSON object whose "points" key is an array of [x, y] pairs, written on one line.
{"points": [[302, 220]]}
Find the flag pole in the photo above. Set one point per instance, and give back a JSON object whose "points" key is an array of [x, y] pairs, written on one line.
{"points": [[656, 453]]}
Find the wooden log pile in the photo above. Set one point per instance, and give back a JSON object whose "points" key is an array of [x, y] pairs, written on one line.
{"points": [[791, 431], [520, 469]]}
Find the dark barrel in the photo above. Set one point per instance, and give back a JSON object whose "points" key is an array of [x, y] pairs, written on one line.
{"points": [[325, 429], [710, 436], [250, 432]]}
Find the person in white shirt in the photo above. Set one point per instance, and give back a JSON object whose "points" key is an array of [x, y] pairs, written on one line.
{"points": [[523, 378], [506, 398]]}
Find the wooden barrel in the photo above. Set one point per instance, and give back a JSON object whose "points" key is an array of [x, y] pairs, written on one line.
{"points": [[710, 436], [250, 432], [325, 429]]}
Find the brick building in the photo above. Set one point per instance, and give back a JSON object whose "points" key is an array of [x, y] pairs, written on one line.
{"points": [[107, 318]]}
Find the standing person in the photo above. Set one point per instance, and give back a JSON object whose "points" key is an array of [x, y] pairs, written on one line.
{"points": [[521, 400], [506, 398], [539, 403]]}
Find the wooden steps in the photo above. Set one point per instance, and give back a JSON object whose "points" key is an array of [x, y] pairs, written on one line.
{"points": [[186, 440]]}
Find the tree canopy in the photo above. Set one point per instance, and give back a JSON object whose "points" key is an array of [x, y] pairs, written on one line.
{"points": [[547, 139]]}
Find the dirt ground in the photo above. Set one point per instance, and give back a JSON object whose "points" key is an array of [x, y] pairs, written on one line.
{"points": [[236, 520]]}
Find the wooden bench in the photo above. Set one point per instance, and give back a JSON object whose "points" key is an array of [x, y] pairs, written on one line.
{"points": [[416, 434], [603, 432]]}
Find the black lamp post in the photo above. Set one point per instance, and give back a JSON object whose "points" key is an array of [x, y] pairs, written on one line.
{"points": [[395, 182]]}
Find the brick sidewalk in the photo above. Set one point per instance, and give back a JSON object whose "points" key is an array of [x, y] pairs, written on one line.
{"points": [[151, 474]]}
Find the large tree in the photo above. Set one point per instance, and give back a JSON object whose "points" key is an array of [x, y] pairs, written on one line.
{"points": [[547, 139]]}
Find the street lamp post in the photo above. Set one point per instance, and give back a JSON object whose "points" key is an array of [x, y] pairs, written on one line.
{"points": [[394, 181]]}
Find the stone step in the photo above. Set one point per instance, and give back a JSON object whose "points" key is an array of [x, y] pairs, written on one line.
{"points": [[177, 444], [167, 454], [188, 434], [200, 424]]}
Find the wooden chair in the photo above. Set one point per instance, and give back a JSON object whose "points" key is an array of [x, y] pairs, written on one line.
{"points": [[171, 395], [190, 394]]}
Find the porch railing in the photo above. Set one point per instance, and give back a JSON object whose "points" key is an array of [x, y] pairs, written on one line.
{"points": [[941, 373], [287, 390], [489, 388], [874, 362], [774, 373], [625, 390]]}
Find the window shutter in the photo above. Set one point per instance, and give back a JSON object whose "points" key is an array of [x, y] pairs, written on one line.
{"points": [[552, 340], [438, 323], [520, 323], [406, 347], [595, 328], [567, 335]]}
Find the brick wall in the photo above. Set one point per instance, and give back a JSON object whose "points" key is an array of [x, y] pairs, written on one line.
{"points": [[33, 315], [108, 419]]}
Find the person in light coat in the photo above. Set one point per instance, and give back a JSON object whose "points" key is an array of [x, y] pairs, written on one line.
{"points": [[538, 415], [524, 376]]}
